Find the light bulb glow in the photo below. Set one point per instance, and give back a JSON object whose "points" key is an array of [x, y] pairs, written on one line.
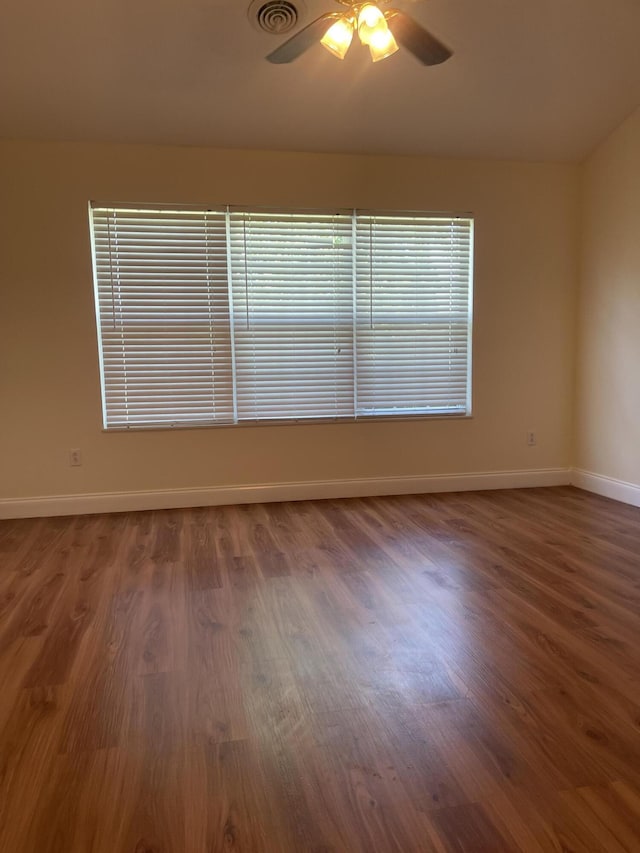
{"points": [[370, 18], [382, 43], [337, 38]]}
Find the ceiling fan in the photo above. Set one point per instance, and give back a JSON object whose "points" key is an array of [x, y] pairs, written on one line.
{"points": [[380, 30]]}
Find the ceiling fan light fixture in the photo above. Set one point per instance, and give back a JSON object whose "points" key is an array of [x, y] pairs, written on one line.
{"points": [[376, 29], [370, 18], [337, 38], [382, 43]]}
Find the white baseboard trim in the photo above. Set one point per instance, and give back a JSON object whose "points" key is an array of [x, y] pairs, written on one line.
{"points": [[609, 487], [269, 492]]}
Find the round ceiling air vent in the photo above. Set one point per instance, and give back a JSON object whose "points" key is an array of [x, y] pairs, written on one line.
{"points": [[275, 16]]}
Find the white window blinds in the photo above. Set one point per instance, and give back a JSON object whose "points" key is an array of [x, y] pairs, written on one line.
{"points": [[413, 314], [292, 315], [225, 316], [161, 282]]}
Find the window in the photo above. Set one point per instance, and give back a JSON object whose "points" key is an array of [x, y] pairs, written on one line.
{"points": [[228, 316]]}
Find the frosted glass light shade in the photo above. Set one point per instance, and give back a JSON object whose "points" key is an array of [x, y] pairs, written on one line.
{"points": [[382, 43], [369, 19], [337, 38]]}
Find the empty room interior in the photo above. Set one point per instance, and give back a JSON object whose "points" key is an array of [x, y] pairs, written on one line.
{"points": [[320, 426]]}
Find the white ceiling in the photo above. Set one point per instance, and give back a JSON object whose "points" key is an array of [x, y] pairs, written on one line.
{"points": [[529, 79]]}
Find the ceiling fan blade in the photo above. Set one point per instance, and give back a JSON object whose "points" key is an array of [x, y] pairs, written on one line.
{"points": [[416, 39], [303, 39]]}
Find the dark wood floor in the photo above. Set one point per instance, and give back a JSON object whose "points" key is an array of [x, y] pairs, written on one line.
{"points": [[441, 673]]}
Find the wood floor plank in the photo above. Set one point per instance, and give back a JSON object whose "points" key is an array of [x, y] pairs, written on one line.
{"points": [[469, 827], [439, 673]]}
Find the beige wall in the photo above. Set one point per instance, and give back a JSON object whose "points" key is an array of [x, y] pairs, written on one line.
{"points": [[525, 276], [608, 386]]}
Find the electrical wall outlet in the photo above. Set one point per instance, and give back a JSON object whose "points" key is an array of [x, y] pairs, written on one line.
{"points": [[531, 438], [75, 457]]}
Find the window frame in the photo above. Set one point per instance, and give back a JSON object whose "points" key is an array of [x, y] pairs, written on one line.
{"points": [[353, 417]]}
